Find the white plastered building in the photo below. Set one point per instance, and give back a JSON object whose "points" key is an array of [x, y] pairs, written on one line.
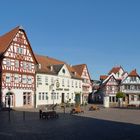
{"points": [[56, 82]]}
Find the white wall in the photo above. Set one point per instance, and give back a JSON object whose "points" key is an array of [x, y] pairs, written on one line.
{"points": [[43, 88], [18, 93]]}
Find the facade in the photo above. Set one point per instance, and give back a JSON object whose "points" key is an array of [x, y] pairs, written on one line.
{"points": [[131, 87], [82, 70], [29, 80], [57, 82], [95, 88], [110, 88], [110, 84], [17, 69], [119, 80]]}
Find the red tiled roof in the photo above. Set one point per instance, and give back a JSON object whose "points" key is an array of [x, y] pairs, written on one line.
{"points": [[103, 77], [133, 73], [79, 68], [115, 70], [46, 62], [6, 39]]}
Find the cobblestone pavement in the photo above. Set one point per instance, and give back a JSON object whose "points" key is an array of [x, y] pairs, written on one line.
{"points": [[105, 124]]}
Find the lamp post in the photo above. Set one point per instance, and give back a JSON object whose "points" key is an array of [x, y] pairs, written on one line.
{"points": [[9, 102], [53, 96]]}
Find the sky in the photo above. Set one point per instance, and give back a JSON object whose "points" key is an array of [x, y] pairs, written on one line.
{"points": [[99, 33]]}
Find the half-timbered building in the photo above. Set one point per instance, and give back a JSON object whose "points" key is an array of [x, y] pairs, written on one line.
{"points": [[131, 87], [82, 70], [110, 85], [17, 71]]}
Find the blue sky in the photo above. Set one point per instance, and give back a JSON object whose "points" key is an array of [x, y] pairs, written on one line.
{"points": [[100, 33]]}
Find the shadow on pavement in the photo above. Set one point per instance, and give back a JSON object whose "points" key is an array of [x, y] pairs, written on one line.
{"points": [[27, 125]]}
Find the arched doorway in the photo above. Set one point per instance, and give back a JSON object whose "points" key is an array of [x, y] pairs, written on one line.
{"points": [[9, 99]]}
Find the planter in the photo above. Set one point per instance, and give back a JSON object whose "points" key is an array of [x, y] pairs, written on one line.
{"points": [[106, 101], [120, 102]]}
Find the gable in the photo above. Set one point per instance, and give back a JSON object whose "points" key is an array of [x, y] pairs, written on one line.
{"points": [[85, 73], [131, 80], [112, 81], [19, 47], [64, 72]]}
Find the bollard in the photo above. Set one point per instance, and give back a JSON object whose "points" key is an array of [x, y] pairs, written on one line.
{"points": [[40, 114], [24, 115], [9, 115]]}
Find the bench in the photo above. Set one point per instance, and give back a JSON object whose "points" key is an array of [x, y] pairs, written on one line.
{"points": [[48, 114], [131, 106]]}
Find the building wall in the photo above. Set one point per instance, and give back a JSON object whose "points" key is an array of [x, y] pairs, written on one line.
{"points": [[18, 97], [18, 71], [86, 85], [59, 85]]}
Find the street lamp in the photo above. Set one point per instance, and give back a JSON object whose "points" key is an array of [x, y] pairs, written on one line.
{"points": [[54, 85], [53, 96], [9, 102]]}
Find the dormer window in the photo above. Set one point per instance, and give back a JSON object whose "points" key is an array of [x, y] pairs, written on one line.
{"points": [[39, 66], [133, 79], [74, 73], [51, 68], [63, 71]]}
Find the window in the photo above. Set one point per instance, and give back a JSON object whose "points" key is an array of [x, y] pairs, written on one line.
{"points": [[72, 83], [54, 95], [46, 96], [8, 78], [63, 71], [113, 99], [24, 79], [29, 79], [46, 80], [19, 50], [52, 81], [67, 95], [72, 96], [39, 80], [24, 65], [62, 82], [133, 79], [29, 66], [76, 84], [39, 97], [43, 96], [16, 78], [135, 87], [16, 63], [79, 84], [8, 63], [26, 98]]}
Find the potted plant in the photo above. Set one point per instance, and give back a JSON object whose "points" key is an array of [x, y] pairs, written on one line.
{"points": [[120, 96]]}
